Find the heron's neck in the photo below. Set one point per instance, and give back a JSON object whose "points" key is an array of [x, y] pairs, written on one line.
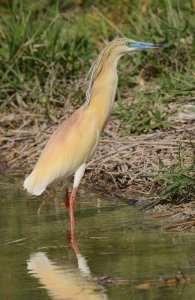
{"points": [[104, 89]]}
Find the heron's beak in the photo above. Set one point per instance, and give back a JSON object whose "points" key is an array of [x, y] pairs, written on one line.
{"points": [[145, 45]]}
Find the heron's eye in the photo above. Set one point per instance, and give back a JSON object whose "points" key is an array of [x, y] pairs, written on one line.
{"points": [[128, 44]]}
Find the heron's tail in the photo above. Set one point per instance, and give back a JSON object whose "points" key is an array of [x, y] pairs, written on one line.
{"points": [[33, 185]]}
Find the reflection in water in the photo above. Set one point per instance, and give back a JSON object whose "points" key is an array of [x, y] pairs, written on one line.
{"points": [[118, 239], [65, 283]]}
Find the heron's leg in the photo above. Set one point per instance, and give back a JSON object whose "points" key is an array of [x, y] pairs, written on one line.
{"points": [[77, 178], [67, 200], [71, 242], [72, 197]]}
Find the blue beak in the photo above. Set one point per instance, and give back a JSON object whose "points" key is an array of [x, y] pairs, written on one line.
{"points": [[145, 45]]}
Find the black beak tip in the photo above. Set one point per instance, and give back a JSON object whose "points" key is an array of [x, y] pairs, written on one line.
{"points": [[156, 45]]}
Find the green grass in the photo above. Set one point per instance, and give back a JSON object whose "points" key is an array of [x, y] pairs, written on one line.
{"points": [[56, 43], [177, 181], [47, 47], [143, 118], [37, 51]]}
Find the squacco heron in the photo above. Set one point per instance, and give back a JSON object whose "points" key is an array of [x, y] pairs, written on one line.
{"points": [[72, 145]]}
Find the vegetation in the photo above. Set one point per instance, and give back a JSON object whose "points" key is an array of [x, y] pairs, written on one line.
{"points": [[47, 47], [178, 180]]}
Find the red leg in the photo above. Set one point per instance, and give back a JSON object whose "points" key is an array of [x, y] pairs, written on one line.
{"points": [[67, 201], [72, 197], [70, 240]]}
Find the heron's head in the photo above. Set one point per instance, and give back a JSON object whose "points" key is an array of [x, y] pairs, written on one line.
{"points": [[124, 45]]}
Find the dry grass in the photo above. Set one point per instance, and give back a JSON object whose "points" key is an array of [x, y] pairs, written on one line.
{"points": [[124, 162]]}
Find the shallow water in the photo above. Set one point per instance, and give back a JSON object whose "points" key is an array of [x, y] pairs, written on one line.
{"points": [[114, 239]]}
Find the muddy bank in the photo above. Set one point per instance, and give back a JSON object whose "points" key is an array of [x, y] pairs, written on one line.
{"points": [[175, 217]]}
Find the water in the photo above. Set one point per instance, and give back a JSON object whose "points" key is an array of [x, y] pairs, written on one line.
{"points": [[114, 239]]}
